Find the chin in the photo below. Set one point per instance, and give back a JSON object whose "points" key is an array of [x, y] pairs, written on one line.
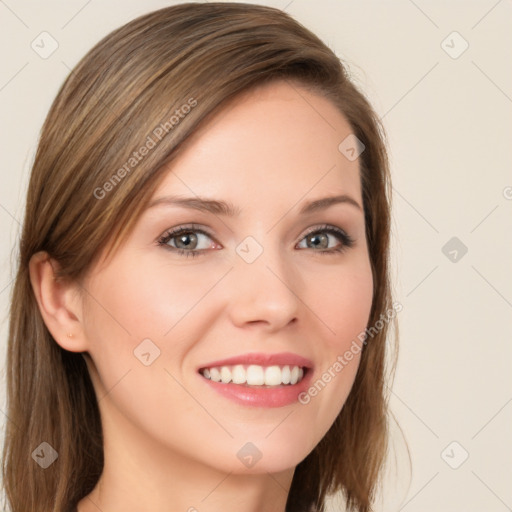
{"points": [[265, 456]]}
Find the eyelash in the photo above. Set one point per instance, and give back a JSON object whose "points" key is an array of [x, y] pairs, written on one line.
{"points": [[347, 240]]}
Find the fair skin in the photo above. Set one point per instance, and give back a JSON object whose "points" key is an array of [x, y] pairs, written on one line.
{"points": [[170, 441]]}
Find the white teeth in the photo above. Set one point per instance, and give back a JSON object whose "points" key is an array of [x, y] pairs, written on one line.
{"points": [[273, 376], [237, 374], [255, 375], [225, 375], [215, 374], [295, 375], [285, 375]]}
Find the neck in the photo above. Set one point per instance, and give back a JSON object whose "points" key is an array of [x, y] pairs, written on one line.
{"points": [[139, 474]]}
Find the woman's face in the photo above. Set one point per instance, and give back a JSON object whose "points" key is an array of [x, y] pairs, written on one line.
{"points": [[266, 281]]}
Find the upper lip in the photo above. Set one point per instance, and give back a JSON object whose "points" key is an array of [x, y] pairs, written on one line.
{"points": [[281, 358]]}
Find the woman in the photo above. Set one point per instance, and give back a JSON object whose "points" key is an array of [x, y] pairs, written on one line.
{"points": [[203, 256]]}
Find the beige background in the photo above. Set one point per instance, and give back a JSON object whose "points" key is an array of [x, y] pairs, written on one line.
{"points": [[448, 117]]}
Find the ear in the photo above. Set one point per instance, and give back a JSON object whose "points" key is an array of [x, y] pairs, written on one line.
{"points": [[59, 302]]}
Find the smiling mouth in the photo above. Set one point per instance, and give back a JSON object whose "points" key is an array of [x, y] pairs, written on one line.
{"points": [[254, 375]]}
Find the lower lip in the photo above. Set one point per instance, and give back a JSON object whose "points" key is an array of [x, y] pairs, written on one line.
{"points": [[257, 396]]}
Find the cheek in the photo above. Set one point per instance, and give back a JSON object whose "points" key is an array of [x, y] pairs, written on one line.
{"points": [[345, 311], [345, 305], [125, 308], [157, 302], [149, 302]]}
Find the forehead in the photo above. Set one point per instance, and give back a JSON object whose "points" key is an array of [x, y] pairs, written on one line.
{"points": [[276, 143]]}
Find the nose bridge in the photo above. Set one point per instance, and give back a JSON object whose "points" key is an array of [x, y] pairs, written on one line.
{"points": [[264, 284]]}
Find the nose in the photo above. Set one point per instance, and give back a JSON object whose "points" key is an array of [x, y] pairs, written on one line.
{"points": [[265, 291]]}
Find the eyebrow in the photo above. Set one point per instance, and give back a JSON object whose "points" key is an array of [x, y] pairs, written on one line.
{"points": [[227, 208]]}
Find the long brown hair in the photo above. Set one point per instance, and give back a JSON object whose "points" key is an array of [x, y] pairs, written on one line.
{"points": [[129, 84]]}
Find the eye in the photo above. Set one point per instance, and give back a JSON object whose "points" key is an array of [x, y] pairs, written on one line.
{"points": [[185, 240], [320, 236]]}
